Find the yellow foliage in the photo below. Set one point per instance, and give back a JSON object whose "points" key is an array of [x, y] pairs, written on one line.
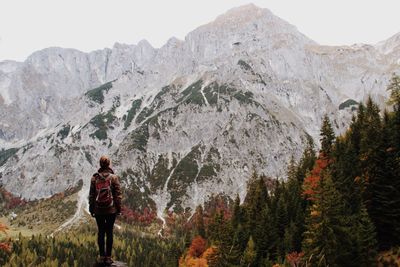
{"points": [[190, 261], [315, 213], [3, 228], [209, 252]]}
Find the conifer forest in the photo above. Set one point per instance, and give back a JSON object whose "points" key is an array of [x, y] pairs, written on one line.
{"points": [[339, 206]]}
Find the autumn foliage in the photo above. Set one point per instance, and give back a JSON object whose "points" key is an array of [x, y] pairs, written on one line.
{"points": [[5, 246], [311, 186], [294, 258], [144, 218], [197, 247], [11, 201], [197, 254]]}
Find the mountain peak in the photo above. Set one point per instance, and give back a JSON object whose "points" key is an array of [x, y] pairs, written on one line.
{"points": [[145, 43], [248, 8], [389, 45], [243, 13], [251, 18]]}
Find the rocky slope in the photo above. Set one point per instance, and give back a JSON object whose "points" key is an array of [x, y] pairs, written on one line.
{"points": [[185, 121]]}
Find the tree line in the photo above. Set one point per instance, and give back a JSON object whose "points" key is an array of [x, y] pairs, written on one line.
{"points": [[340, 207]]}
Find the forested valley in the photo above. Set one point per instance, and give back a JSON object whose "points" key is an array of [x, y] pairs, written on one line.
{"points": [[339, 206]]}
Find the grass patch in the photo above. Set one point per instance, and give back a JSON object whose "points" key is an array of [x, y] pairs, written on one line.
{"points": [[47, 214], [137, 195], [348, 103], [5, 154], [63, 133], [58, 150], [97, 94], [132, 112], [210, 169], [88, 157], [102, 122], [184, 174], [244, 98], [159, 173], [156, 104], [192, 94], [139, 138], [214, 93], [146, 112], [245, 66], [158, 99]]}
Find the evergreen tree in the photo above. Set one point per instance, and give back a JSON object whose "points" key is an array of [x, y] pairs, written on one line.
{"points": [[384, 202], [394, 88], [222, 236], [199, 222], [327, 239], [249, 255], [327, 136], [366, 242], [295, 208], [346, 171], [379, 176], [237, 213], [307, 160]]}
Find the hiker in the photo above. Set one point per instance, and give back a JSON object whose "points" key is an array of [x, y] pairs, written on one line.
{"points": [[105, 204]]}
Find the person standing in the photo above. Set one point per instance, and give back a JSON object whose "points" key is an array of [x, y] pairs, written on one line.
{"points": [[105, 204]]}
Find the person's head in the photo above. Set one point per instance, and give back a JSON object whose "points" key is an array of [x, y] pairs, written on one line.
{"points": [[105, 162]]}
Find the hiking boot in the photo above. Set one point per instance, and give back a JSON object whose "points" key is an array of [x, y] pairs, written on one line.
{"points": [[108, 261]]}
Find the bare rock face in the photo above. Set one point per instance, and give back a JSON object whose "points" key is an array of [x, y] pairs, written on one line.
{"points": [[193, 118]]}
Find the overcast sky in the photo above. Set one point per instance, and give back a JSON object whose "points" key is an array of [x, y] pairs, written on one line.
{"points": [[30, 25]]}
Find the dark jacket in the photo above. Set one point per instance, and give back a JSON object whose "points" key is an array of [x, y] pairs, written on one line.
{"points": [[115, 189]]}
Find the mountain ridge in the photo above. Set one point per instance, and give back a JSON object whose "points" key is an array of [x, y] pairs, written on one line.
{"points": [[184, 121]]}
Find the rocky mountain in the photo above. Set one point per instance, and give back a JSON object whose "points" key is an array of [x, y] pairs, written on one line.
{"points": [[193, 118]]}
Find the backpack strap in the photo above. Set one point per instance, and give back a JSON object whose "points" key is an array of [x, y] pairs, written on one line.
{"points": [[99, 175]]}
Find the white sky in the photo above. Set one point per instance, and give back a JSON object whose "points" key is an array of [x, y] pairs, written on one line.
{"points": [[30, 25]]}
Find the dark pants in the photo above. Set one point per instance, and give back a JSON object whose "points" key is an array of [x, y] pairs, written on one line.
{"points": [[105, 224]]}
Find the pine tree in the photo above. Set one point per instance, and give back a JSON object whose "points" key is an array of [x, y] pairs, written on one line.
{"points": [[327, 136], [380, 176], [222, 236], [237, 213], [384, 202], [296, 209], [199, 222], [307, 161], [249, 256], [394, 88], [261, 220], [366, 242], [346, 171], [326, 240]]}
